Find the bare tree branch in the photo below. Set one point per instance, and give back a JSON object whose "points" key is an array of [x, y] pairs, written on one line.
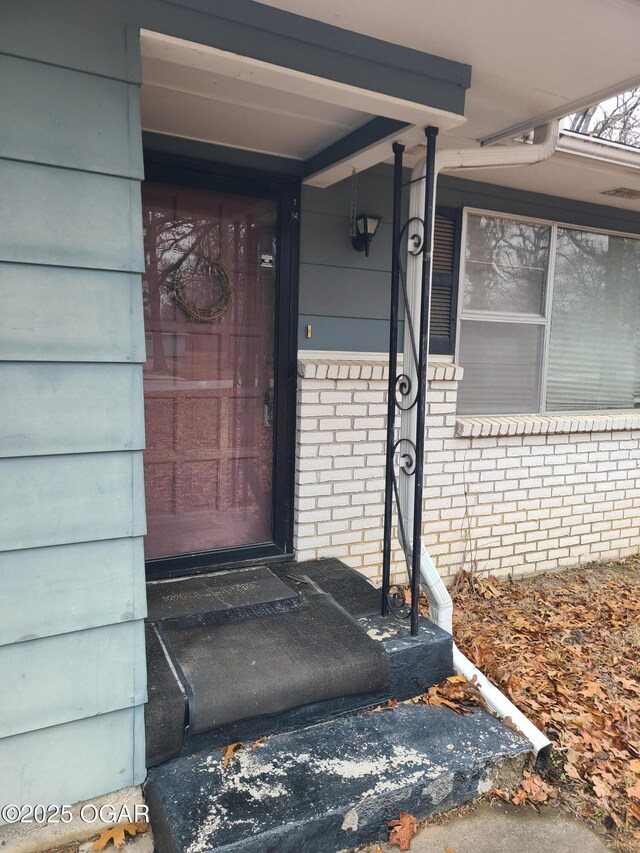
{"points": [[617, 119]]}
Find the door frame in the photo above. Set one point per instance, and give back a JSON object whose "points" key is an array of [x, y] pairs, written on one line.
{"points": [[171, 169]]}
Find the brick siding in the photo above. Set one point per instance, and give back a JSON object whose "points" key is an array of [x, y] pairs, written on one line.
{"points": [[510, 495]]}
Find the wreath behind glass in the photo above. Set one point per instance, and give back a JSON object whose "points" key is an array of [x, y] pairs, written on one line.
{"points": [[205, 274]]}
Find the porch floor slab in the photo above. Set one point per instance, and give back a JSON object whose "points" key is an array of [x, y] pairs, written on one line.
{"points": [[328, 787], [349, 588]]}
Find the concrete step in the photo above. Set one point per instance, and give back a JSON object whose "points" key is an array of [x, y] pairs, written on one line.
{"points": [[412, 664], [415, 664], [331, 786]]}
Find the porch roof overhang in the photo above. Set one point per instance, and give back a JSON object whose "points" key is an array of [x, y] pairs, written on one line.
{"points": [[331, 103], [532, 63], [318, 90]]}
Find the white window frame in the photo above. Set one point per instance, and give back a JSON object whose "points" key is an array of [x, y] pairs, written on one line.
{"points": [[542, 319]]}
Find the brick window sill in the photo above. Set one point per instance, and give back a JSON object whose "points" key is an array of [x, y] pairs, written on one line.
{"points": [[575, 422]]}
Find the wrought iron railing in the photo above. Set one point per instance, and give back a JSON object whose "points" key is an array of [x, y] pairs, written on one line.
{"points": [[407, 389]]}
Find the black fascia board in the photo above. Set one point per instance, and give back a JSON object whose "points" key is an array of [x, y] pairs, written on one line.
{"points": [[302, 44], [373, 131]]}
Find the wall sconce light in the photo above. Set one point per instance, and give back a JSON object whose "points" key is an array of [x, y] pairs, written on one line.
{"points": [[365, 229]]}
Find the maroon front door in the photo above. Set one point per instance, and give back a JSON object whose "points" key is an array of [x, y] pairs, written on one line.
{"points": [[209, 305]]}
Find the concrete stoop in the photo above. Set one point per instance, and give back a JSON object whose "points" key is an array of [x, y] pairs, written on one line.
{"points": [[332, 786]]}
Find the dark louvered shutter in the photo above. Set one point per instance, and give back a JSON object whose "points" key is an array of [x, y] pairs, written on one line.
{"points": [[446, 240]]}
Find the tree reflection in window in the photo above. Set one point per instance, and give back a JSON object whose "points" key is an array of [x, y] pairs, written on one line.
{"points": [[506, 265]]}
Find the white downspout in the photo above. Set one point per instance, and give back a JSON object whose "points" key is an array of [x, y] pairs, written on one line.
{"points": [[440, 604]]}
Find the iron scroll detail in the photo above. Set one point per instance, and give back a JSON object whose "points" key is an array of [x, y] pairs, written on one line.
{"points": [[405, 455]]}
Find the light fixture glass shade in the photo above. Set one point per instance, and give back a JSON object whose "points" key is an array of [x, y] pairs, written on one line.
{"points": [[372, 225], [367, 225], [365, 228]]}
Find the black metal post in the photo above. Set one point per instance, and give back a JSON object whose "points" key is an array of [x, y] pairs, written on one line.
{"points": [[425, 306], [398, 151]]}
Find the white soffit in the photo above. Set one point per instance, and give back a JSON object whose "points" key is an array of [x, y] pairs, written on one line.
{"points": [[202, 93], [531, 59]]}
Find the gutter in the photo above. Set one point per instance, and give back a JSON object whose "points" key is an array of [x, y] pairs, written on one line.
{"points": [[611, 155], [440, 603]]}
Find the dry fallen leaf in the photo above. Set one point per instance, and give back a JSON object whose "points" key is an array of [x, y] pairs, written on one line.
{"points": [[116, 834], [502, 794], [259, 742], [389, 706], [600, 787], [634, 809], [564, 648], [535, 788], [510, 724], [402, 831], [229, 752], [593, 689], [571, 771]]}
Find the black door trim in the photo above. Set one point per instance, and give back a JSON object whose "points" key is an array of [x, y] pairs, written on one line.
{"points": [[166, 168]]}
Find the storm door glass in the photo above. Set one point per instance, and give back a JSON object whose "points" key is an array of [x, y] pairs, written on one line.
{"points": [[209, 302]]}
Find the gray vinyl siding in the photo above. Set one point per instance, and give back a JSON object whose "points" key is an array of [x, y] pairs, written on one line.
{"points": [[344, 296], [72, 600]]}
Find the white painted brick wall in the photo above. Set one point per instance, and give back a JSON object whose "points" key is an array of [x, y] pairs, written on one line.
{"points": [[518, 495]]}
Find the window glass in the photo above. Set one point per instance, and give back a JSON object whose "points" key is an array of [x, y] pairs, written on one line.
{"points": [[502, 363], [585, 333], [594, 340], [505, 265]]}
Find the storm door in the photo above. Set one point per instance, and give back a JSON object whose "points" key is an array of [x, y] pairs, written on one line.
{"points": [[210, 299]]}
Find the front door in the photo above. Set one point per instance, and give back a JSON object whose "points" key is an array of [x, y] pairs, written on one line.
{"points": [[214, 397]]}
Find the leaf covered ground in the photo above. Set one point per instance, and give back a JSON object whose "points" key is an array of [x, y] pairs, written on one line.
{"points": [[565, 647]]}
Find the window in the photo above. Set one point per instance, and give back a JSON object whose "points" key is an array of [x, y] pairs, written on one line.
{"points": [[549, 319]]}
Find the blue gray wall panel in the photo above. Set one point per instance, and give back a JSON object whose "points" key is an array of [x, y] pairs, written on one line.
{"points": [[71, 588], [80, 497], [60, 764], [71, 422], [95, 672], [67, 103], [69, 218], [50, 394], [63, 314]]}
